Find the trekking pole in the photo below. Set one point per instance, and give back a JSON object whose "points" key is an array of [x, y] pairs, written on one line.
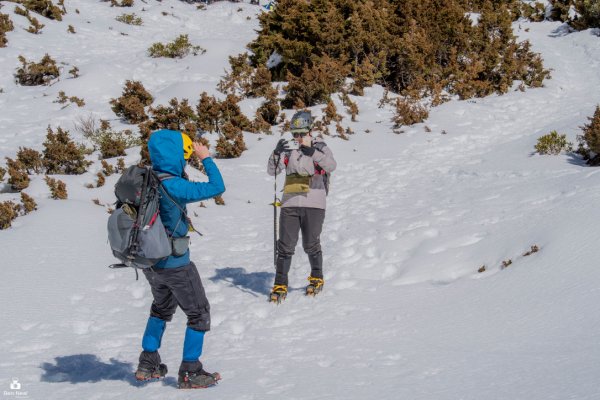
{"points": [[276, 203]]}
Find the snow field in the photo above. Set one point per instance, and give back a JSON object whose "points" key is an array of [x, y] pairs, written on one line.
{"points": [[410, 220]]}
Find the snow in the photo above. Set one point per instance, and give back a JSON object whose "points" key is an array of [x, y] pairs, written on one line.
{"points": [[410, 220]]}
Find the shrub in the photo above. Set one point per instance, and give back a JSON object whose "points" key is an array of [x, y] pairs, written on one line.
{"points": [[319, 79], [35, 26], [231, 143], [208, 110], [177, 116], [101, 179], [28, 203], [130, 106], [418, 47], [178, 48], [409, 112], [590, 140], [589, 11], [62, 155], [58, 189], [30, 159], [17, 175], [2, 173], [110, 143], [34, 74], [553, 143], [74, 72], [130, 19], [123, 3], [244, 80], [330, 113], [269, 110], [8, 212], [352, 107], [121, 165], [44, 7], [63, 98], [6, 25], [108, 169]]}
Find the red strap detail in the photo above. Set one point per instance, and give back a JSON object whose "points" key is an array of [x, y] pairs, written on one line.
{"points": [[286, 160], [319, 170]]}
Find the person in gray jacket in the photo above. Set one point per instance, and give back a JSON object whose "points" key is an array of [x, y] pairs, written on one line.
{"points": [[303, 203]]}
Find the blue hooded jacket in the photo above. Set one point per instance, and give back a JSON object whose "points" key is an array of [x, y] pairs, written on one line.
{"points": [[166, 154]]}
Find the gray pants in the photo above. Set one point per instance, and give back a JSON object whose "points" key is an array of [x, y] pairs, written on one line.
{"points": [[292, 221], [172, 287]]}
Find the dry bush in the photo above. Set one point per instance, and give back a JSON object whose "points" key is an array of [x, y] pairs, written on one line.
{"points": [[8, 212], [130, 19], [74, 72], [330, 113], [58, 189], [553, 143], [35, 26], [18, 179], [245, 80], [63, 99], [43, 7], [269, 110], [231, 143], [409, 112], [2, 174], [108, 169], [178, 48], [130, 106], [209, 111], [424, 47], [121, 165], [122, 3], [28, 204], [62, 155], [101, 179], [6, 25], [110, 143], [34, 74], [589, 142], [319, 79], [352, 107], [31, 160]]}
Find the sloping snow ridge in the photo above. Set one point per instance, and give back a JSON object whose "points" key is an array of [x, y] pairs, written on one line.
{"points": [[411, 219]]}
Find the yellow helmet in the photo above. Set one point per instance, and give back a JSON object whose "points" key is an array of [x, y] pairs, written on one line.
{"points": [[188, 149]]}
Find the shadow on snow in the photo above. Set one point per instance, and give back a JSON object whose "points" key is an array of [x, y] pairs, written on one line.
{"points": [[88, 368], [255, 283]]}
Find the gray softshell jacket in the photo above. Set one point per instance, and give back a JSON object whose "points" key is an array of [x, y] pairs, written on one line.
{"points": [[298, 163]]}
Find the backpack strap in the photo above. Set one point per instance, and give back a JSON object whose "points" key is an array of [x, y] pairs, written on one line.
{"points": [[163, 176], [320, 171]]}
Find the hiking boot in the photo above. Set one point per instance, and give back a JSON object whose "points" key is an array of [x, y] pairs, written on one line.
{"points": [[278, 294], [315, 285], [150, 367], [147, 374], [193, 376]]}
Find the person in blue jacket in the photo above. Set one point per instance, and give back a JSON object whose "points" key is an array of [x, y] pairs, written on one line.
{"points": [[175, 280]]}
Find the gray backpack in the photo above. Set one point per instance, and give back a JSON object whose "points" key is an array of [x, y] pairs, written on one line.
{"points": [[136, 233]]}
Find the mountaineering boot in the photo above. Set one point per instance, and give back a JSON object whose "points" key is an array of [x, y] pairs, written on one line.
{"points": [[315, 285], [150, 367], [278, 294], [193, 376]]}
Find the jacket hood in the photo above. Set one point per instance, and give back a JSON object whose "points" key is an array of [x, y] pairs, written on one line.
{"points": [[166, 152]]}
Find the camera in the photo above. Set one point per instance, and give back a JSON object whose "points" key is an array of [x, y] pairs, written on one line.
{"points": [[292, 144]]}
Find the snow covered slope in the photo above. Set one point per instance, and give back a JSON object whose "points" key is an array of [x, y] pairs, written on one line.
{"points": [[411, 219]]}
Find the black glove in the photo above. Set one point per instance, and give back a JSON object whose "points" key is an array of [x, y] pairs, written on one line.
{"points": [[307, 151], [282, 146]]}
